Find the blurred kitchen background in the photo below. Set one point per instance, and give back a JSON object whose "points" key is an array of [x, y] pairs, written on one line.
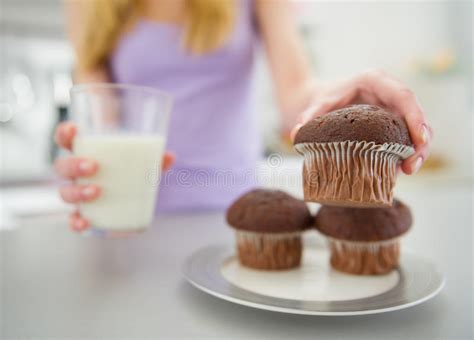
{"points": [[427, 44]]}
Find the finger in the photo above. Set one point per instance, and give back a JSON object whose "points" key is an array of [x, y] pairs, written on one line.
{"points": [[347, 92], [413, 164], [395, 95], [72, 167], [294, 131], [64, 135], [315, 110], [168, 160], [79, 193], [319, 108], [366, 97], [398, 97], [420, 131], [77, 223]]}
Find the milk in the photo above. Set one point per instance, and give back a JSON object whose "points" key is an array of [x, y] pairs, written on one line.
{"points": [[129, 168]]}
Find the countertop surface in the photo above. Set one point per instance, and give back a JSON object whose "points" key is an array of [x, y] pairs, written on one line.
{"points": [[59, 285]]}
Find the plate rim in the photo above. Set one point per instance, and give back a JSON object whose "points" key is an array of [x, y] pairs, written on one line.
{"points": [[292, 310]]}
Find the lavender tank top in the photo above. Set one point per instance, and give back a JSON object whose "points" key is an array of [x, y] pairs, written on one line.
{"points": [[213, 126]]}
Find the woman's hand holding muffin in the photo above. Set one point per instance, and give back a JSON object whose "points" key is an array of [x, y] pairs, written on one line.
{"points": [[377, 88], [74, 167]]}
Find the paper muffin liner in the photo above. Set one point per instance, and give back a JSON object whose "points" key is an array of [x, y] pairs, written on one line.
{"points": [[351, 173], [269, 251], [364, 258]]}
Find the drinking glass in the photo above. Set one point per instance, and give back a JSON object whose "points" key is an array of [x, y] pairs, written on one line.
{"points": [[123, 128]]}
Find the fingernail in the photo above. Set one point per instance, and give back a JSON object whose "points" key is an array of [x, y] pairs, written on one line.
{"points": [[417, 166], [88, 191], [424, 134], [86, 166]]}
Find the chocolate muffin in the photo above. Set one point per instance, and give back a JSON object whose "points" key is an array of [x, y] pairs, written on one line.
{"points": [[364, 241], [268, 225], [357, 122], [351, 155]]}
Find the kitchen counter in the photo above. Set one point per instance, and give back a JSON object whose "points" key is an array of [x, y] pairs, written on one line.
{"points": [[56, 284]]}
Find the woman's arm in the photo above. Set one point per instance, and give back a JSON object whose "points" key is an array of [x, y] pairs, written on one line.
{"points": [[296, 90], [75, 16], [287, 61]]}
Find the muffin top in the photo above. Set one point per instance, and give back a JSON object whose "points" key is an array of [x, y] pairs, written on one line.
{"points": [[364, 224], [264, 210], [355, 123]]}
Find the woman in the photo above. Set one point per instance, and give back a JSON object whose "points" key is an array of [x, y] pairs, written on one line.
{"points": [[203, 52]]}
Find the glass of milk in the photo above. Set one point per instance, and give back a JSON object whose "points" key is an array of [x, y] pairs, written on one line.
{"points": [[123, 128]]}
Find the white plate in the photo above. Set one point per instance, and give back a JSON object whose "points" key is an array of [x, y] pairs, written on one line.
{"points": [[313, 289]]}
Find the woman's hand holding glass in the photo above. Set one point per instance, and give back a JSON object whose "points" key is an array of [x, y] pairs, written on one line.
{"points": [[74, 167]]}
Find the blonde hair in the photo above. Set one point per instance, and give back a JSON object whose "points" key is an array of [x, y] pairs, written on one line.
{"points": [[207, 26]]}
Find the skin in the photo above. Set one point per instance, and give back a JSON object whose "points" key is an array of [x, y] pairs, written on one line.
{"points": [[295, 88]]}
